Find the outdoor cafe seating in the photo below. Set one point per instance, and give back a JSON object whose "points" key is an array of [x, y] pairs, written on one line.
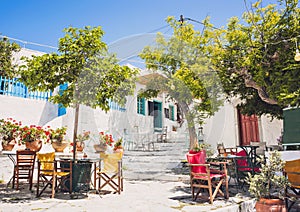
{"points": [[241, 161], [23, 168], [211, 176], [110, 173], [52, 174]]}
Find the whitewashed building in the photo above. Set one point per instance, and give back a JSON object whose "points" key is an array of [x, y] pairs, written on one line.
{"points": [[142, 117]]}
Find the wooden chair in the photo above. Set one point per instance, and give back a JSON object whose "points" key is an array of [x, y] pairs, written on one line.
{"points": [[244, 165], [162, 137], [292, 172], [52, 174], [203, 176], [111, 172], [23, 169], [227, 151]]}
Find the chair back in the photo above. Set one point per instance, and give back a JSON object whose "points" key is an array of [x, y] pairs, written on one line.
{"points": [[242, 162], [24, 167], [292, 169], [111, 162], [46, 161], [25, 157], [197, 158]]}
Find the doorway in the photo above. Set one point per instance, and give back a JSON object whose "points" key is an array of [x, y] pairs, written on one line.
{"points": [[157, 114], [248, 127]]}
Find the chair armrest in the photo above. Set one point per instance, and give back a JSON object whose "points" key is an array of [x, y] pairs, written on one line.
{"points": [[198, 164]]}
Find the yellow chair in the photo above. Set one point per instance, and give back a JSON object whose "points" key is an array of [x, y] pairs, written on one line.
{"points": [[292, 172], [111, 173], [50, 173]]}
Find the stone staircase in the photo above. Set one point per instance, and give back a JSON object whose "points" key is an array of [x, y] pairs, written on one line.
{"points": [[162, 163]]}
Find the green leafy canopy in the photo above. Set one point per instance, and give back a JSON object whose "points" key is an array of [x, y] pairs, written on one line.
{"points": [[92, 74]]}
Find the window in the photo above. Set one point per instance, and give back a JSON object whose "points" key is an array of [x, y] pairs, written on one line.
{"points": [[150, 108], [171, 112], [167, 113], [141, 105]]}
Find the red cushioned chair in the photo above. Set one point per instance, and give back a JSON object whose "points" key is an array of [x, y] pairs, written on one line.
{"points": [[202, 176], [244, 166]]}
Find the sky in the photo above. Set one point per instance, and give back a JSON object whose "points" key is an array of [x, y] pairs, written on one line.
{"points": [[43, 21]]}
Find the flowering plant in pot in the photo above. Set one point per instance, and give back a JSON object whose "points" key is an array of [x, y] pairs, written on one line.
{"points": [[85, 135], [104, 141], [57, 135], [118, 146], [32, 133], [33, 136], [9, 132], [269, 184]]}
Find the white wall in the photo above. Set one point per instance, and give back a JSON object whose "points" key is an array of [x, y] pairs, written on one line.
{"points": [[28, 111], [222, 127], [270, 130]]}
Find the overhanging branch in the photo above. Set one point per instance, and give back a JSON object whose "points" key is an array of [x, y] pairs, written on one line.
{"points": [[250, 83]]}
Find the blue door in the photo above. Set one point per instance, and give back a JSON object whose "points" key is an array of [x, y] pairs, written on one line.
{"points": [[157, 114]]}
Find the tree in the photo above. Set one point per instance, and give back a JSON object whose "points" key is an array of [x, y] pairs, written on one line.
{"points": [[7, 68], [182, 71], [255, 57], [83, 62]]}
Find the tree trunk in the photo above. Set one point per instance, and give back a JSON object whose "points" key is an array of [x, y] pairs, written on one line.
{"points": [[75, 130], [191, 125]]}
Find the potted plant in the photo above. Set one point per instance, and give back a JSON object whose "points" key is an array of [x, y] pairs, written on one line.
{"points": [[80, 140], [9, 132], [56, 137], [118, 146], [268, 185], [104, 141], [33, 136]]}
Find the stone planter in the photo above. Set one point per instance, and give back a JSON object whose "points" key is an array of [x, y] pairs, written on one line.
{"points": [[100, 147], [59, 146]]}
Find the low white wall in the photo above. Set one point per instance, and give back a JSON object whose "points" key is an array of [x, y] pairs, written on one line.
{"points": [[28, 111]]}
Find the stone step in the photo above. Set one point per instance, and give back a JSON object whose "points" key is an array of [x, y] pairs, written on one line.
{"points": [[163, 163]]}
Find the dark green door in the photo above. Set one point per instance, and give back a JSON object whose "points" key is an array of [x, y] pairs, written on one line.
{"points": [[157, 114]]}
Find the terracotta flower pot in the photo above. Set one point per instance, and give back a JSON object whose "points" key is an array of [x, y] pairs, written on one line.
{"points": [[79, 146], [8, 146], [265, 205], [34, 145]]}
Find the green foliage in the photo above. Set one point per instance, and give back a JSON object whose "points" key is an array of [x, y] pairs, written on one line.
{"points": [[270, 181], [57, 134], [203, 146], [183, 72], [255, 57], [7, 68], [92, 74]]}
